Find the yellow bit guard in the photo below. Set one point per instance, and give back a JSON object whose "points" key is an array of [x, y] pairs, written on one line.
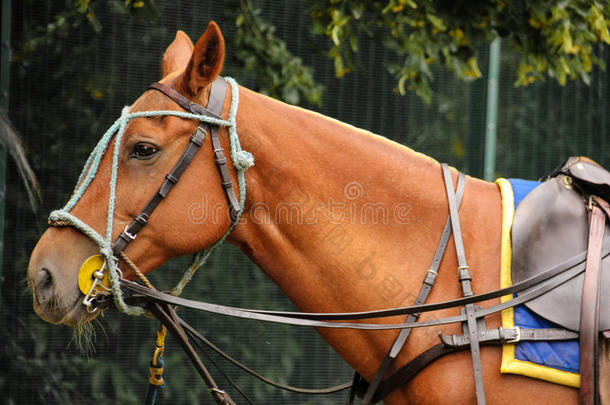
{"points": [[86, 275]]}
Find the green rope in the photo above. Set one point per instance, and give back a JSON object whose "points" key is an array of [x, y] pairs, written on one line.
{"points": [[242, 160]]}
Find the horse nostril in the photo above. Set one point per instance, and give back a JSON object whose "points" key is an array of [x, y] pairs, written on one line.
{"points": [[43, 286]]}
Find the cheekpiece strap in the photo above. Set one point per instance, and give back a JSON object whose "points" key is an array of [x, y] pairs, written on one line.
{"points": [[215, 104]]}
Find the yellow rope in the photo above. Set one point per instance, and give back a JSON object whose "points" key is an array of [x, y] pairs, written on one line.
{"points": [[156, 370], [138, 272]]}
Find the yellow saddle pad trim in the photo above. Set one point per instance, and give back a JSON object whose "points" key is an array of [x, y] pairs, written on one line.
{"points": [[509, 363]]}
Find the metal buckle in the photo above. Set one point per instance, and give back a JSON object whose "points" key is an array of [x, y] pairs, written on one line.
{"points": [[198, 139], [517, 335], [129, 235]]}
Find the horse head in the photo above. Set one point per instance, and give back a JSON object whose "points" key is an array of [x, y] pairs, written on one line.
{"points": [[146, 150]]}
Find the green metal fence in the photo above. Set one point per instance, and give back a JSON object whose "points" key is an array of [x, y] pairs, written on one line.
{"points": [[66, 92]]}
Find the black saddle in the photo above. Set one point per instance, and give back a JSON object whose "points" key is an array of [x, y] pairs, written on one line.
{"points": [[551, 225]]}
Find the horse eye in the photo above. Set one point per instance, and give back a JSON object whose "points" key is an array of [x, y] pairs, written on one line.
{"points": [[143, 151]]}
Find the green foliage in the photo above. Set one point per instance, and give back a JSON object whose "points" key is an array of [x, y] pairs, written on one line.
{"points": [[141, 10], [279, 73], [554, 39]]}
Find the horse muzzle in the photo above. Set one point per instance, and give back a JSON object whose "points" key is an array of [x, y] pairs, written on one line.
{"points": [[53, 277]]}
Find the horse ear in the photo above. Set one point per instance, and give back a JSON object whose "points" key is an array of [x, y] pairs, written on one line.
{"points": [[206, 62], [177, 55]]}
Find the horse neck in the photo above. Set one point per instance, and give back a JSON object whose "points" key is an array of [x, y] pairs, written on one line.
{"points": [[336, 216]]}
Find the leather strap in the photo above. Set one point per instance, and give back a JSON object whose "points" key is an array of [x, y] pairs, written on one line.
{"points": [[563, 274], [131, 231], [424, 291], [215, 103], [198, 337], [510, 335], [357, 382], [214, 108], [170, 320], [448, 346], [465, 278], [569, 268], [589, 310], [225, 179], [409, 370]]}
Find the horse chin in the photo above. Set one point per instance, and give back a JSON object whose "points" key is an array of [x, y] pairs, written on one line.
{"points": [[74, 314], [78, 315]]}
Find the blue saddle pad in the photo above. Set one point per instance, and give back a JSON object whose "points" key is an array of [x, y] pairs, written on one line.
{"points": [[556, 361]]}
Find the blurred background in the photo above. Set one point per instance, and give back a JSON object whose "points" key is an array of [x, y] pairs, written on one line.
{"points": [[73, 65]]}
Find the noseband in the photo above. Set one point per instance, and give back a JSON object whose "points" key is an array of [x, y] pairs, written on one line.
{"points": [[209, 121]]}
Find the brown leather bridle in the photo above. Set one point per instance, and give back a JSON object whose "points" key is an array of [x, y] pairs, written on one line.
{"points": [[165, 313], [214, 109]]}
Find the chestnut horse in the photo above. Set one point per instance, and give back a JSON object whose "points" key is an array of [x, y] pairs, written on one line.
{"points": [[340, 219]]}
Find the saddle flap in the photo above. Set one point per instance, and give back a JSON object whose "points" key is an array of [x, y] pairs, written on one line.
{"points": [[551, 226]]}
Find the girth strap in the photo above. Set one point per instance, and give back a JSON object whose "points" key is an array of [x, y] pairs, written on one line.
{"points": [[589, 309], [465, 277], [510, 335], [424, 291]]}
